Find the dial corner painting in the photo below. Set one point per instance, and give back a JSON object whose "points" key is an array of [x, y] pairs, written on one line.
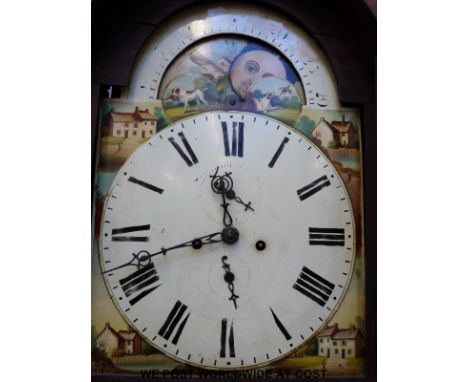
{"points": [[228, 206]]}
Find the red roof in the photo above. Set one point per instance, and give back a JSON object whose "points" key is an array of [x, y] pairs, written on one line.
{"points": [[125, 335], [328, 331], [136, 116], [122, 117], [345, 334], [341, 126], [145, 115], [336, 333]]}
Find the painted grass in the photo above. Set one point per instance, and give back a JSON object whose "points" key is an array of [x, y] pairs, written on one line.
{"points": [[286, 115], [175, 113], [357, 363], [111, 140], [306, 362]]}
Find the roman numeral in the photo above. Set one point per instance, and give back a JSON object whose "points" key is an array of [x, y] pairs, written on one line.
{"points": [[230, 340], [138, 281], [237, 146], [326, 236], [311, 285], [118, 231], [174, 322], [313, 188], [193, 158], [146, 185], [280, 326], [278, 152]]}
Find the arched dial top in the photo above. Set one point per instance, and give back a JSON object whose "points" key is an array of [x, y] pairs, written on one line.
{"points": [[243, 20], [227, 240]]}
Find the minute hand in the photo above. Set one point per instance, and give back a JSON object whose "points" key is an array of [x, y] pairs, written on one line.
{"points": [[144, 256]]}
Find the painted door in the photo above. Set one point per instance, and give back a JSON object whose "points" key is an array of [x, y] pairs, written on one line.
{"points": [[343, 353]]}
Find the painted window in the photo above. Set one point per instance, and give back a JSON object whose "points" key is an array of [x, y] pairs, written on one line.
{"points": [[135, 125], [336, 351], [343, 342], [349, 351], [126, 124], [321, 340], [334, 343], [118, 132], [134, 133]]}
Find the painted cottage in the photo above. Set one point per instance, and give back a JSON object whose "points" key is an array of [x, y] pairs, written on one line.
{"points": [[121, 342], [341, 132], [138, 124], [340, 343]]}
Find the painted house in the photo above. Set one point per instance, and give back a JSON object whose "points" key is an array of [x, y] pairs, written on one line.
{"points": [[121, 342], [339, 131], [340, 343], [138, 124], [132, 342]]}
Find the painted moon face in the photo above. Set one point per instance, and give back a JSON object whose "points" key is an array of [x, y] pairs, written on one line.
{"points": [[251, 66]]}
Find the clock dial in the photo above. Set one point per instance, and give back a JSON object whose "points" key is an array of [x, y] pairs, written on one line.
{"points": [[236, 57], [227, 240]]}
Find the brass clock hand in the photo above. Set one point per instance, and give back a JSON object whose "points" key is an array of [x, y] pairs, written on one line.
{"points": [[144, 257]]}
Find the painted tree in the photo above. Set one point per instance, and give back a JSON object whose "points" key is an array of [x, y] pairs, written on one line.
{"points": [[163, 119], [305, 125], [146, 348], [361, 324], [313, 347], [257, 94]]}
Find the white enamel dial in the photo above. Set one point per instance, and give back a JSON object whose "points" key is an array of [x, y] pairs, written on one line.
{"points": [[245, 21], [289, 268]]}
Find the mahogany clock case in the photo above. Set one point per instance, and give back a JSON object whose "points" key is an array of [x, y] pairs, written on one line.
{"points": [[346, 33]]}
